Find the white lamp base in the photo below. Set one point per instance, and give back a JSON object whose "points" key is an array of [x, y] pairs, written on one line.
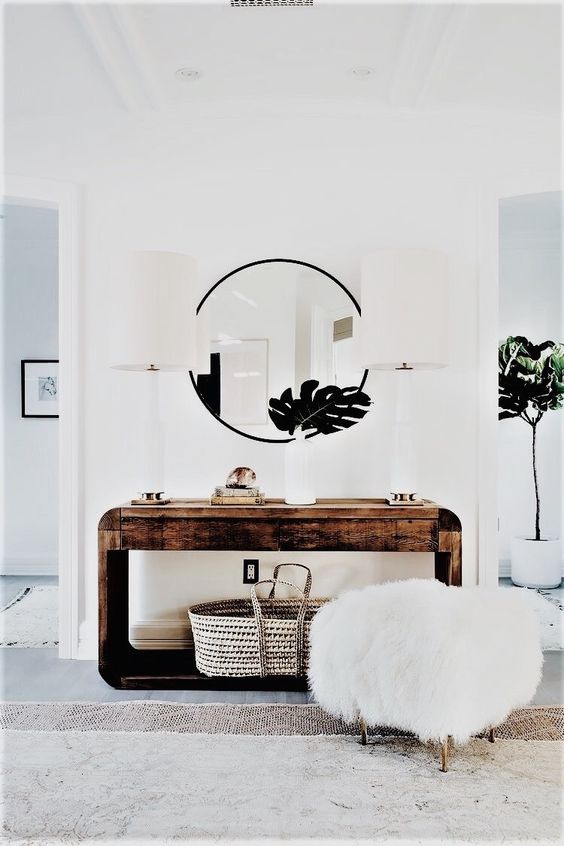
{"points": [[403, 481]]}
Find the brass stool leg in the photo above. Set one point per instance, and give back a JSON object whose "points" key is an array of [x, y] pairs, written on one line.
{"points": [[491, 735], [363, 731], [444, 755]]}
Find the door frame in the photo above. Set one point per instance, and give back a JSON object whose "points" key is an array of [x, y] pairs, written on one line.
{"points": [[64, 197], [497, 189]]}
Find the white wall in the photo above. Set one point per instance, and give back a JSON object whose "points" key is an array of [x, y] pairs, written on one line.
{"points": [[325, 183], [30, 330], [399, 209], [530, 304]]}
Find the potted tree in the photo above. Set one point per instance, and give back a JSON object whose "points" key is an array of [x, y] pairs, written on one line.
{"points": [[531, 382]]}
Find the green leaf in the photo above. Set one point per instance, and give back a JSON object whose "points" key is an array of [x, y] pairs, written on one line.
{"points": [[531, 376]]}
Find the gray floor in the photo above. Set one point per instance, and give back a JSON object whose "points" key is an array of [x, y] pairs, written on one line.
{"points": [[39, 675]]}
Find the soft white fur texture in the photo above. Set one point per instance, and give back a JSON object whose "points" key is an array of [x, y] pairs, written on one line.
{"points": [[420, 656]]}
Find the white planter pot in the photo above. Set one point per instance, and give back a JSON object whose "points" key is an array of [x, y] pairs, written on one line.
{"points": [[535, 563], [299, 477]]}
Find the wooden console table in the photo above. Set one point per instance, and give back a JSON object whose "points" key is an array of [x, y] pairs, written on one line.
{"points": [[361, 525]]}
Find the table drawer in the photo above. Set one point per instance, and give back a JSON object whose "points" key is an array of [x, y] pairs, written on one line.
{"points": [[360, 535], [417, 535], [141, 533], [333, 535], [220, 534]]}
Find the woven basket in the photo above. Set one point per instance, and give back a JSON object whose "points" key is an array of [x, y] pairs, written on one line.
{"points": [[255, 637]]}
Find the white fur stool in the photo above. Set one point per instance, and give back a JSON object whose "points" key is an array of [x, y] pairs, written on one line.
{"points": [[441, 662]]}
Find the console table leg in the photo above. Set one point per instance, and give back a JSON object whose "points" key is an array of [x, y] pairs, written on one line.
{"points": [[442, 567], [448, 563], [113, 587], [448, 558]]}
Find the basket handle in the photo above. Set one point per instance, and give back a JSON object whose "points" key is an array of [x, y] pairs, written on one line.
{"points": [[307, 587], [260, 624]]}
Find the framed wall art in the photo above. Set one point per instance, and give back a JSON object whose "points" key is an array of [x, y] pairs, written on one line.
{"points": [[40, 388]]}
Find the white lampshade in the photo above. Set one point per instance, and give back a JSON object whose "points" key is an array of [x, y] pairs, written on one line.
{"points": [[404, 309], [158, 330]]}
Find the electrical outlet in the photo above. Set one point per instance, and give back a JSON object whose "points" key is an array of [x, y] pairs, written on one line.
{"points": [[250, 571]]}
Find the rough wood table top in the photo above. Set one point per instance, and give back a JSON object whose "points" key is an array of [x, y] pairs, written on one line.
{"points": [[323, 508]]}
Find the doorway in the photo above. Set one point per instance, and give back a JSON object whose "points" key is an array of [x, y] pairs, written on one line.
{"points": [[61, 200], [530, 457], [30, 461], [530, 305]]}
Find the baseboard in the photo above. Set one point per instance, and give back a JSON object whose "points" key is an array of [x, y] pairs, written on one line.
{"points": [[504, 568], [160, 634], [87, 642], [143, 634], [37, 566]]}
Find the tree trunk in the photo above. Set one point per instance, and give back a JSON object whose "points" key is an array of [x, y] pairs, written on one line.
{"points": [[537, 516]]}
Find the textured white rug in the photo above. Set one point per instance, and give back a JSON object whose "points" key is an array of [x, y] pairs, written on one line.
{"points": [[102, 787], [31, 618]]}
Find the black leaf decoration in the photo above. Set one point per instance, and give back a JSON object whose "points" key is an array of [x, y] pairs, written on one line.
{"points": [[327, 410]]}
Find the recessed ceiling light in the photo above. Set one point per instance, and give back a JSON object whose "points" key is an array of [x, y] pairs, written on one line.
{"points": [[362, 72], [187, 74]]}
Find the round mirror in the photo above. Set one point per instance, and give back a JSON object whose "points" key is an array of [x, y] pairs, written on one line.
{"points": [[272, 325]]}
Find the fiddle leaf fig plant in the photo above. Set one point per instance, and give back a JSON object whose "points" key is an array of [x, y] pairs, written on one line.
{"points": [[326, 410], [531, 382]]}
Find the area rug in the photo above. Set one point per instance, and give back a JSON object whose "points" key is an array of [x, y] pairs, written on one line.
{"points": [[142, 716], [550, 614], [30, 619], [105, 787]]}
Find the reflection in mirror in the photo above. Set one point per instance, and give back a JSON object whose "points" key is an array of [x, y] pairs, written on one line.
{"points": [[272, 325]]}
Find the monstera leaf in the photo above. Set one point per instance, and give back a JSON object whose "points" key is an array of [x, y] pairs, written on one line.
{"points": [[327, 410]]}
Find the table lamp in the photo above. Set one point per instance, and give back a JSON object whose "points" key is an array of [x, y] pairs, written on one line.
{"points": [[403, 328], [158, 334]]}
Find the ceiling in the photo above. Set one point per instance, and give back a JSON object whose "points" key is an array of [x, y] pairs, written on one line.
{"points": [[66, 59]]}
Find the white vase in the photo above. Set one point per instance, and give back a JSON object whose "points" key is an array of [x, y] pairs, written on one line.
{"points": [[298, 471], [535, 563]]}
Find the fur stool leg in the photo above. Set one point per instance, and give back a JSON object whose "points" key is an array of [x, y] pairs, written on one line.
{"points": [[444, 754], [363, 731]]}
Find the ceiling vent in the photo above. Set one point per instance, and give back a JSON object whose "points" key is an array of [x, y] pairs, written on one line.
{"points": [[241, 4]]}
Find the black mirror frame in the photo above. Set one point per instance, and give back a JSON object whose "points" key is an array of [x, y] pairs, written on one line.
{"points": [[223, 279]]}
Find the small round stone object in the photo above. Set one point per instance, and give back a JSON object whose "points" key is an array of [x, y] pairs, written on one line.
{"points": [[241, 477]]}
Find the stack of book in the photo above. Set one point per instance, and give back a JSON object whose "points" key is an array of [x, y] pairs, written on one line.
{"points": [[237, 496]]}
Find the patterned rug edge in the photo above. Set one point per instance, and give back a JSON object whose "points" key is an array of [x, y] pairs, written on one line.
{"points": [[17, 598], [25, 640], [545, 723]]}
